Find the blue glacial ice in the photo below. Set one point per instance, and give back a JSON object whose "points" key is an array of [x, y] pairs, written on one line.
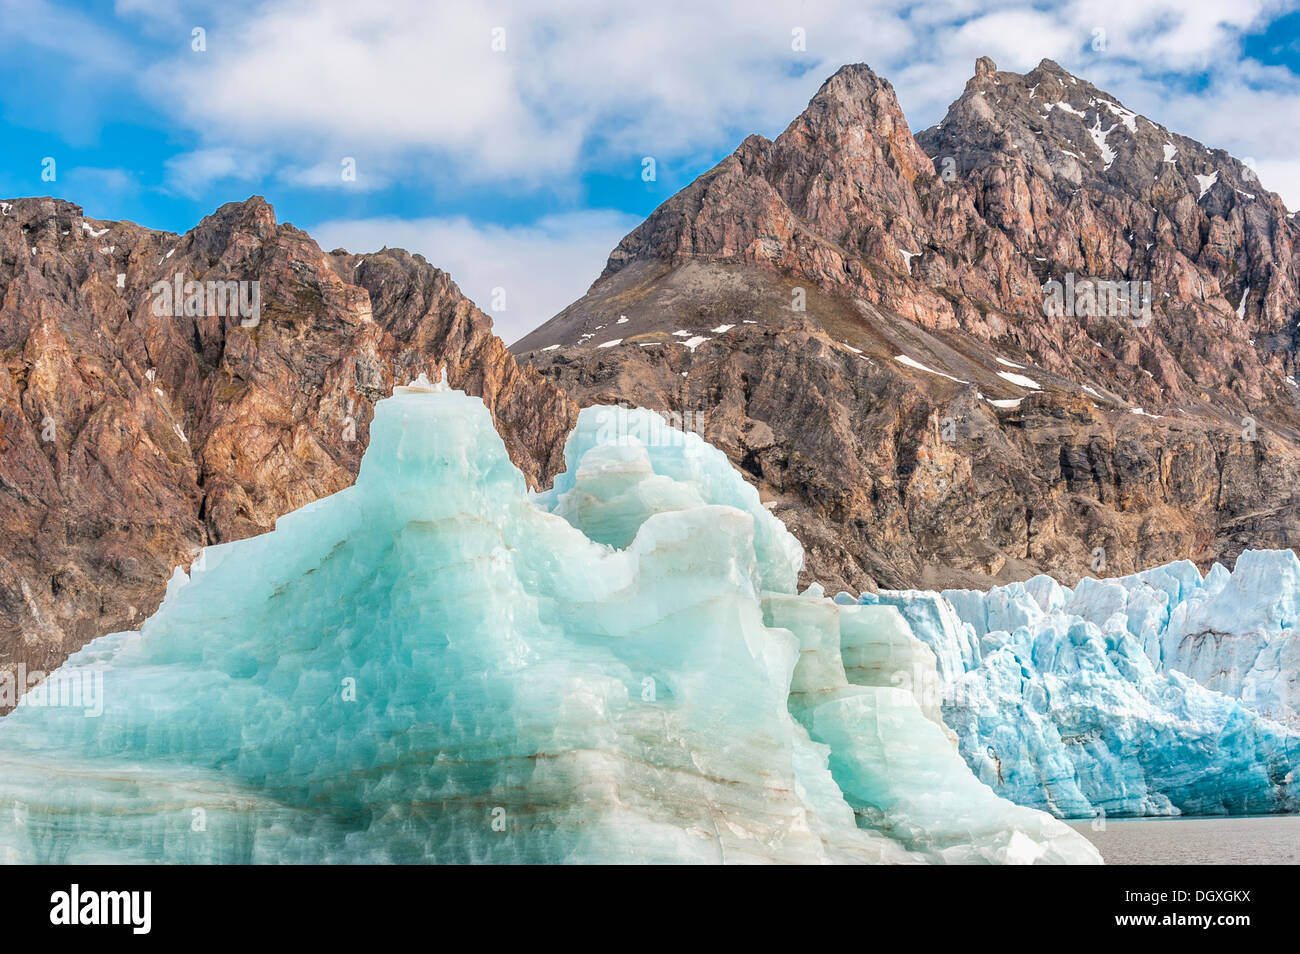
{"points": [[1159, 693], [1238, 632], [435, 665]]}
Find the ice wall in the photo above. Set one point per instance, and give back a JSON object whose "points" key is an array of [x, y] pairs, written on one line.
{"points": [[431, 666], [1154, 694]]}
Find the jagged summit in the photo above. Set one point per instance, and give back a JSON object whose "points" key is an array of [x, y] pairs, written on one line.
{"points": [[1084, 185], [1027, 178], [852, 84], [881, 283], [1071, 129]]}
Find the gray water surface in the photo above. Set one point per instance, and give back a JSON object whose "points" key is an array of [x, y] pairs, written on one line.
{"points": [[1254, 840]]}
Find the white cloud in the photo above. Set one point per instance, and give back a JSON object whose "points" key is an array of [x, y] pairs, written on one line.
{"points": [[70, 35], [347, 172], [1001, 35], [578, 82], [542, 266], [96, 183], [317, 80], [190, 173], [1283, 177]]}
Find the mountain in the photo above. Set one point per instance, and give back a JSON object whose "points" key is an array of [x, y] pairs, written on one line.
{"points": [[133, 433], [895, 336]]}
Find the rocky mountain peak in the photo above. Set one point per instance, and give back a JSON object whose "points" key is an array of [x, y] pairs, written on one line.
{"points": [[1078, 184], [248, 222], [42, 219], [854, 93], [253, 214], [856, 112], [843, 173], [895, 290]]}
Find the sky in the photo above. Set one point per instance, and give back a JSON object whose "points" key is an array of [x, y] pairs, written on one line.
{"points": [[514, 144]]}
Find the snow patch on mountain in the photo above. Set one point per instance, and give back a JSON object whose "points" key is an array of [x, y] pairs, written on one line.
{"points": [[913, 363], [1020, 380], [1099, 139]]}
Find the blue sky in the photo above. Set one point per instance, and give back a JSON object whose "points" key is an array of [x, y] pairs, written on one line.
{"points": [[507, 141]]}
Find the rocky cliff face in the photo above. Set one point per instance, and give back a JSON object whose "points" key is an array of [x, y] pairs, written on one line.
{"points": [[901, 339], [138, 425]]}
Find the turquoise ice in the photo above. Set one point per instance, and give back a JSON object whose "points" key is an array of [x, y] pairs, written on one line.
{"points": [[435, 666]]}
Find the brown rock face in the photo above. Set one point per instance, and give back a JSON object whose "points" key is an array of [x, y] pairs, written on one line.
{"points": [[129, 439], [857, 316]]}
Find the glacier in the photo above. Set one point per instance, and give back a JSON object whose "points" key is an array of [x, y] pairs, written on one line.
{"points": [[1237, 632], [435, 665], [1160, 693]]}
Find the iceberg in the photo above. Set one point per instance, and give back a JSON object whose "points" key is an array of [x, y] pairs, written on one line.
{"points": [[1161, 693], [434, 665]]}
